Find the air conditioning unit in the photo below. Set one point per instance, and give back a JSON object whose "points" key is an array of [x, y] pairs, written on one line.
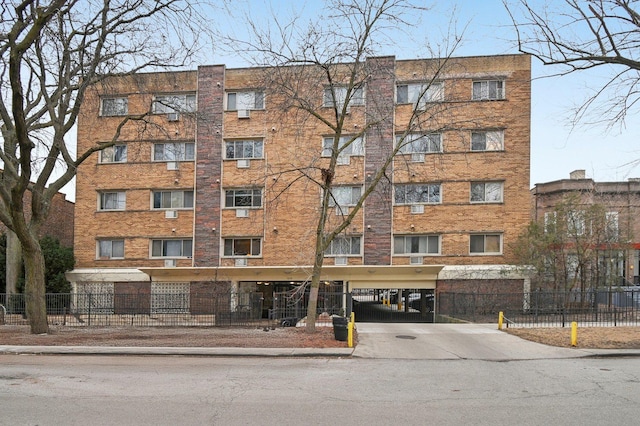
{"points": [[340, 261], [243, 164], [244, 113], [173, 116], [343, 160], [171, 214], [416, 260], [342, 211], [170, 263], [172, 165], [417, 209], [241, 262], [417, 158], [242, 213]]}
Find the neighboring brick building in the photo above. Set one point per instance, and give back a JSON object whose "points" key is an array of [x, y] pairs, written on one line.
{"points": [[194, 200], [617, 254]]}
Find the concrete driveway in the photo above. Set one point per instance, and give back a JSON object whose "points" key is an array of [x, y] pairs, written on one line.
{"points": [[450, 341]]}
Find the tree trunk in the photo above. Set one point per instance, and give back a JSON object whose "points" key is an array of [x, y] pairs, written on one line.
{"points": [[13, 262], [35, 286], [312, 307]]}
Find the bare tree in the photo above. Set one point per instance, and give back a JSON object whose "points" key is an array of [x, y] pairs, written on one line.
{"points": [[52, 53], [579, 36], [337, 60]]}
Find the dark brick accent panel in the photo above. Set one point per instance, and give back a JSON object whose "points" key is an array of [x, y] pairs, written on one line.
{"points": [[204, 295], [132, 298], [208, 165], [379, 146]]}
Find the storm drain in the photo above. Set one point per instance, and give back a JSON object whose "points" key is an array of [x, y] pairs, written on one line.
{"points": [[402, 336]]}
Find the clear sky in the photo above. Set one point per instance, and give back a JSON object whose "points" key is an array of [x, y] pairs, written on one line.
{"points": [[556, 148]]}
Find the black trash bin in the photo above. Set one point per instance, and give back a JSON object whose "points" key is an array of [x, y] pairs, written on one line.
{"points": [[340, 328]]}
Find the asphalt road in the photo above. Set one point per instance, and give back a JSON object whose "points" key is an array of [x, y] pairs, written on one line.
{"points": [[170, 390]]}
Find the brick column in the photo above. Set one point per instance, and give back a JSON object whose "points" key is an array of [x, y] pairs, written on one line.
{"points": [[379, 146], [208, 171]]}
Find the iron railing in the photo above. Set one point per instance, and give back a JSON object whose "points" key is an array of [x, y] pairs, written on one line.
{"points": [[143, 309], [598, 307]]}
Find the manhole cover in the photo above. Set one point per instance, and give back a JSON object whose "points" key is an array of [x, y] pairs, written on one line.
{"points": [[405, 337]]}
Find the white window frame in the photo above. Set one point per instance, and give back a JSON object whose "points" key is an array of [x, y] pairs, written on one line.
{"points": [[489, 140], [344, 246], [106, 197], [487, 189], [550, 221], [420, 94], [404, 244], [181, 153], [488, 90], [113, 154], [357, 97], [484, 237], [576, 224], [159, 248], [612, 229], [244, 149], [174, 102], [355, 148], [176, 199], [402, 191], [254, 194], [255, 247], [341, 193], [105, 248], [248, 100], [119, 106], [419, 143]]}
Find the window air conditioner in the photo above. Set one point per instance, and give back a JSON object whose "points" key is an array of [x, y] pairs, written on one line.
{"points": [[170, 214], [340, 261], [417, 209], [172, 165], [243, 164], [170, 263], [242, 213], [241, 262], [417, 158], [244, 113], [173, 116], [415, 260]]}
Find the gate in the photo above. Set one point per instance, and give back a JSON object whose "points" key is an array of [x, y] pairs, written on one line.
{"points": [[404, 305], [291, 306]]}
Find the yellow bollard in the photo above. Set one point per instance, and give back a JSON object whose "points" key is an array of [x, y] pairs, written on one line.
{"points": [[500, 320], [352, 317], [399, 306], [350, 334], [574, 334]]}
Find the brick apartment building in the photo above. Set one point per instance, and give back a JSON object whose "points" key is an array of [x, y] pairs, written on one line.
{"points": [[617, 255], [195, 200]]}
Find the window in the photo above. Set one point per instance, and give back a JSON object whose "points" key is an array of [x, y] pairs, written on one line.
{"points": [[173, 199], [486, 192], [114, 154], [419, 94], [611, 226], [417, 194], [112, 200], [487, 141], [243, 149], [344, 246], [576, 223], [340, 93], [243, 198], [356, 147], [112, 249], [178, 151], [485, 244], [171, 248], [242, 246], [345, 195], [245, 100], [416, 244], [163, 104], [488, 90], [415, 143], [549, 222], [114, 106]]}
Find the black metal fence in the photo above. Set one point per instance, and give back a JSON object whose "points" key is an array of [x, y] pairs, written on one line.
{"points": [[291, 306], [144, 309], [606, 307]]}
